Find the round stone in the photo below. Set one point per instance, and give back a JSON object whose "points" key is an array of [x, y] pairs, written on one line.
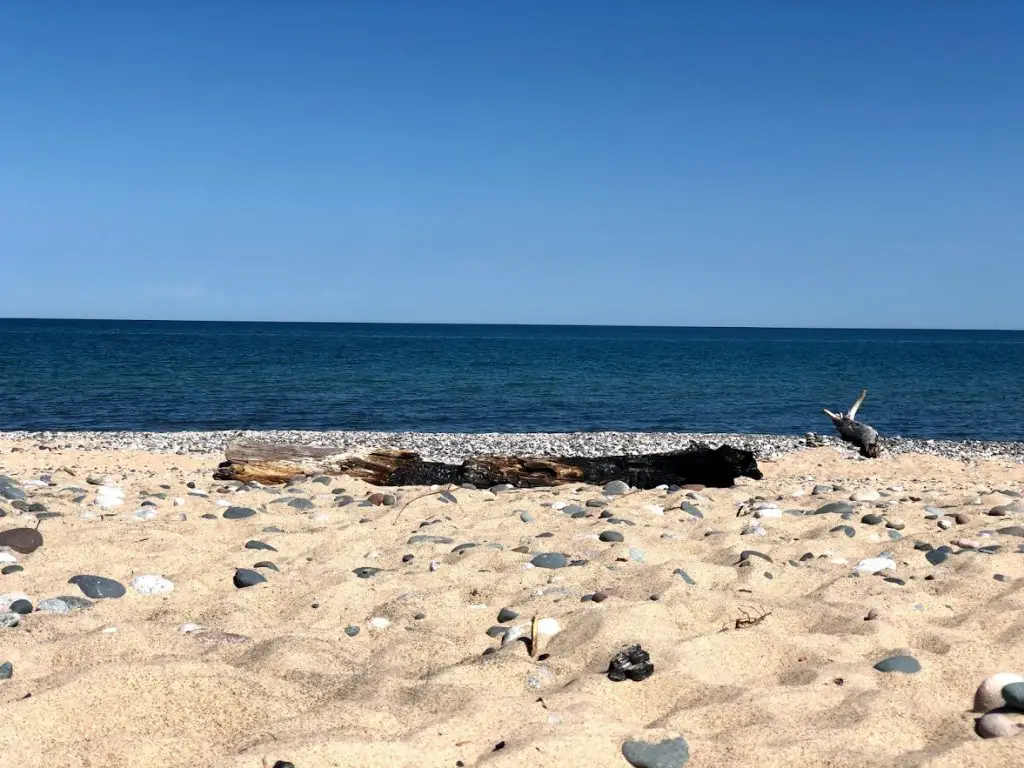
{"points": [[872, 520], [351, 630], [6, 670], [1013, 693], [671, 753], [98, 587], [150, 584], [550, 560], [266, 564], [616, 488], [9, 620], [1002, 722], [611, 537], [866, 496], [908, 665], [21, 606]]}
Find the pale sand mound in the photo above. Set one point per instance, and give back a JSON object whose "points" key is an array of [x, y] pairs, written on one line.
{"points": [[797, 688]]}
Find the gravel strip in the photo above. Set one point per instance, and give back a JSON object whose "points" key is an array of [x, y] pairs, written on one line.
{"points": [[450, 447]]}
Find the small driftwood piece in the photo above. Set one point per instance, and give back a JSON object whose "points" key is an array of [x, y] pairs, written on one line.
{"points": [[852, 431], [698, 463]]}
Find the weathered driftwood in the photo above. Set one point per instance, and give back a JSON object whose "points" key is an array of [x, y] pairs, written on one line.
{"points": [[852, 431], [699, 463]]}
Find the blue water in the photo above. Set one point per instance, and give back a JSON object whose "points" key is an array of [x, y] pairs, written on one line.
{"points": [[116, 375]]}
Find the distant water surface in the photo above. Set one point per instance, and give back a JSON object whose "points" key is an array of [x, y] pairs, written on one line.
{"points": [[163, 376]]}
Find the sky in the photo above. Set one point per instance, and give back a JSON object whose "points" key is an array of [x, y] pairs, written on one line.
{"points": [[797, 164]]}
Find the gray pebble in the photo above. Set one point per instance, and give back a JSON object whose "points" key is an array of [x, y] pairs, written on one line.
{"points": [[671, 753], [905, 664], [616, 488], [246, 578], [550, 560], [611, 537], [98, 587], [238, 513]]}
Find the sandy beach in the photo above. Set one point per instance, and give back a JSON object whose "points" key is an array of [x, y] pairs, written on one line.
{"points": [[374, 636]]}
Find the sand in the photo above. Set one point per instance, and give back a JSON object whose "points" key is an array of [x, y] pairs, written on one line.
{"points": [[274, 676]]}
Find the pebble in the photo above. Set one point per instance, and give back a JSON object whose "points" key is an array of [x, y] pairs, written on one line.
{"points": [[684, 576], [895, 523], [845, 529], [1013, 695], [550, 560], [616, 488], [671, 753], [301, 504], [98, 587], [1002, 722], [936, 556], [611, 537], [9, 620], [872, 520], [366, 572], [238, 513], [507, 614], [21, 606], [526, 517], [351, 630], [150, 584], [874, 565], [246, 578], [820, 490], [24, 541], [63, 604], [254, 544], [266, 564], [6, 670], [866, 496], [835, 508], [1011, 530], [905, 664], [597, 503]]}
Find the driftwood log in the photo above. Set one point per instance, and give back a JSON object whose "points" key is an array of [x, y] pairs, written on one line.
{"points": [[852, 431], [698, 463]]}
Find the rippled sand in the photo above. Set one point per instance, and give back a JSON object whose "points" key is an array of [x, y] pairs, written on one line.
{"points": [[274, 676]]}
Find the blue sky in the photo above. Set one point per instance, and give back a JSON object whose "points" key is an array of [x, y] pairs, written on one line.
{"points": [[737, 163]]}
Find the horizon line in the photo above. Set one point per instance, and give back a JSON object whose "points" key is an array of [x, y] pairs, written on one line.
{"points": [[516, 325]]}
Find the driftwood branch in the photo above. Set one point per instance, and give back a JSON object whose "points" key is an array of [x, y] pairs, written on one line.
{"points": [[698, 463], [852, 431]]}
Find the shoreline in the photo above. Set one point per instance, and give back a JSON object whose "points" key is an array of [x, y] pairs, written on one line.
{"points": [[454, 447]]}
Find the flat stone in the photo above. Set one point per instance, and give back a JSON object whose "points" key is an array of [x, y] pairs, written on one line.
{"points": [[152, 584], [597, 503], [691, 510], [746, 554], [239, 513], [98, 587], [835, 508], [7, 570], [846, 530], [246, 578], [6, 671], [366, 572], [611, 537], [9, 620], [906, 664], [874, 565], [872, 520], [351, 630], [300, 504], [425, 539], [1011, 530], [526, 517], [819, 490], [936, 556], [684, 576], [866, 496], [63, 604], [25, 541], [550, 560], [671, 753]]}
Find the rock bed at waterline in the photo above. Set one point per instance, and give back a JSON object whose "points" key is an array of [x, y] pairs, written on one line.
{"points": [[838, 612], [454, 447]]}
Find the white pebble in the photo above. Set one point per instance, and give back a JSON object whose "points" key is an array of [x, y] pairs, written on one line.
{"points": [[768, 513], [188, 628], [150, 584], [222, 503], [179, 502], [379, 622], [990, 693], [434, 565], [654, 509], [866, 496], [146, 513], [1000, 723], [548, 627], [945, 524], [109, 630], [874, 565], [7, 557], [558, 505]]}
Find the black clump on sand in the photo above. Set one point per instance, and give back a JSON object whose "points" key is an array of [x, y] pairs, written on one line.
{"points": [[633, 663]]}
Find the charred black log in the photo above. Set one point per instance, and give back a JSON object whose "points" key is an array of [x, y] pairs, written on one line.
{"points": [[698, 463], [852, 431]]}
